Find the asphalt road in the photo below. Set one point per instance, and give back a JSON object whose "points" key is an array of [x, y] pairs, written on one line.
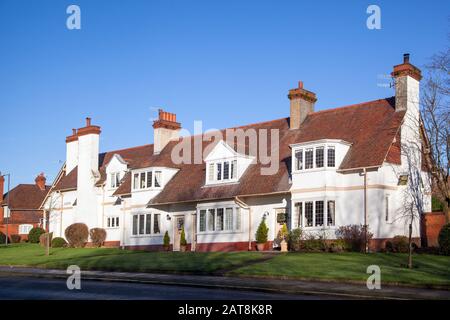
{"points": [[29, 288]]}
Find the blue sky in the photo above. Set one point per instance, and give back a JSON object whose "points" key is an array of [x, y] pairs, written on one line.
{"points": [[226, 63]]}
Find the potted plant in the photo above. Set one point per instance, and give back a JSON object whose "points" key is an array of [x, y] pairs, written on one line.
{"points": [[166, 241], [283, 235], [183, 242], [261, 235]]}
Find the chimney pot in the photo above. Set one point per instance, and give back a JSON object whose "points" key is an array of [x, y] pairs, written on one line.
{"points": [[88, 122], [406, 58], [40, 181], [74, 132], [300, 84]]}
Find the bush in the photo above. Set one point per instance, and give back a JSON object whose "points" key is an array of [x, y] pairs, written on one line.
{"points": [[166, 240], [262, 232], [183, 241], [15, 238], [43, 239], [388, 246], [313, 244], [294, 239], [338, 245], [436, 205], [59, 243], [400, 244], [353, 236], [444, 239], [34, 234], [98, 236], [77, 235]]}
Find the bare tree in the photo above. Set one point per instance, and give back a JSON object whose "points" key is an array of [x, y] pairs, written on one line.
{"points": [[435, 113]]}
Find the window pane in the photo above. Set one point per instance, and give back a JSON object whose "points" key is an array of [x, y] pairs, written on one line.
{"points": [[309, 159], [234, 169], [117, 221], [229, 219], [135, 224], [141, 223], [156, 228], [219, 219], [113, 180], [202, 220], [331, 157], [136, 181], [108, 222], [211, 172], [299, 159], [112, 222], [219, 171], [298, 213], [238, 219], [117, 180], [226, 170], [211, 220], [157, 179], [331, 213], [148, 224], [308, 214], [387, 209], [319, 157], [142, 181], [149, 179], [319, 213]]}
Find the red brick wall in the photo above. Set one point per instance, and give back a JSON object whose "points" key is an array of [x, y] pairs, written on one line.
{"points": [[431, 225]]}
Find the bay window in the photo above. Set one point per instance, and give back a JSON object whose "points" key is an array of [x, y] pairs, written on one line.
{"points": [[146, 224], [315, 213], [314, 157], [219, 219]]}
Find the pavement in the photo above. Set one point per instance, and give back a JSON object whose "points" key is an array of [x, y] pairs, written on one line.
{"points": [[266, 285]]}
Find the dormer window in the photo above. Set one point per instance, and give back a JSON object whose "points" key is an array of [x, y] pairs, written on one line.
{"points": [[115, 180], [222, 171], [147, 179]]}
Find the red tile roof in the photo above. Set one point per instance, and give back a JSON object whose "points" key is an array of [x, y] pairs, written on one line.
{"points": [[370, 127], [25, 197]]}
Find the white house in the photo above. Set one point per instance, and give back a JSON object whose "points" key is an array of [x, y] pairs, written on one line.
{"points": [[332, 168]]}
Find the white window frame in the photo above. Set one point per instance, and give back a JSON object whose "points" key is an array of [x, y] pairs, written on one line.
{"points": [[302, 217], [212, 171], [146, 215], [236, 219], [25, 228], [114, 180], [302, 151], [113, 222], [155, 173]]}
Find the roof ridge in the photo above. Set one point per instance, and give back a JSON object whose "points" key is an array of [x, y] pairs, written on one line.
{"points": [[352, 105], [127, 149]]}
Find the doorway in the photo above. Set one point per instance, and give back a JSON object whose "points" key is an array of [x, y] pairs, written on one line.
{"points": [[280, 220], [179, 224]]}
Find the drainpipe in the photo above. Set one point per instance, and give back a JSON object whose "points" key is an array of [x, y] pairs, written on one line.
{"points": [[243, 205]]}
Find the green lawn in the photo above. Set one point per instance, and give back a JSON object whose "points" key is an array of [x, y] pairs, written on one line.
{"points": [[428, 270], [122, 260]]}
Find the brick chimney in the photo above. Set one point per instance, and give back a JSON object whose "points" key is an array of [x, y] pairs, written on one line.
{"points": [[165, 129], [302, 104], [40, 181], [406, 78]]}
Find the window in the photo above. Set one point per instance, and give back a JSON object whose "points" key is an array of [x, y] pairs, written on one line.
{"points": [[211, 219], [238, 219], [299, 213], [226, 170], [219, 219], [211, 172], [202, 220], [219, 171], [387, 209], [309, 159], [319, 214], [234, 169], [331, 157], [319, 157], [331, 216], [25, 228], [157, 179], [112, 222], [147, 180], [229, 219], [142, 224], [308, 214], [156, 223], [299, 159], [115, 179]]}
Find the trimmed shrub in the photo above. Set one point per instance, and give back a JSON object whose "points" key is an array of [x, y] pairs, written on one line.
{"points": [[354, 237], [183, 241], [59, 243], [43, 239], [34, 234], [98, 236], [262, 232], [77, 235], [294, 239], [338, 245], [166, 240], [444, 239], [400, 244], [313, 244], [15, 238]]}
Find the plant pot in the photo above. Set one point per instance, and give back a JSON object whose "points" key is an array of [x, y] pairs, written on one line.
{"points": [[183, 248], [260, 246], [284, 246]]}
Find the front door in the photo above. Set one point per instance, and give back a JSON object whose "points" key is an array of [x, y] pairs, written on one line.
{"points": [[179, 224], [280, 221]]}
